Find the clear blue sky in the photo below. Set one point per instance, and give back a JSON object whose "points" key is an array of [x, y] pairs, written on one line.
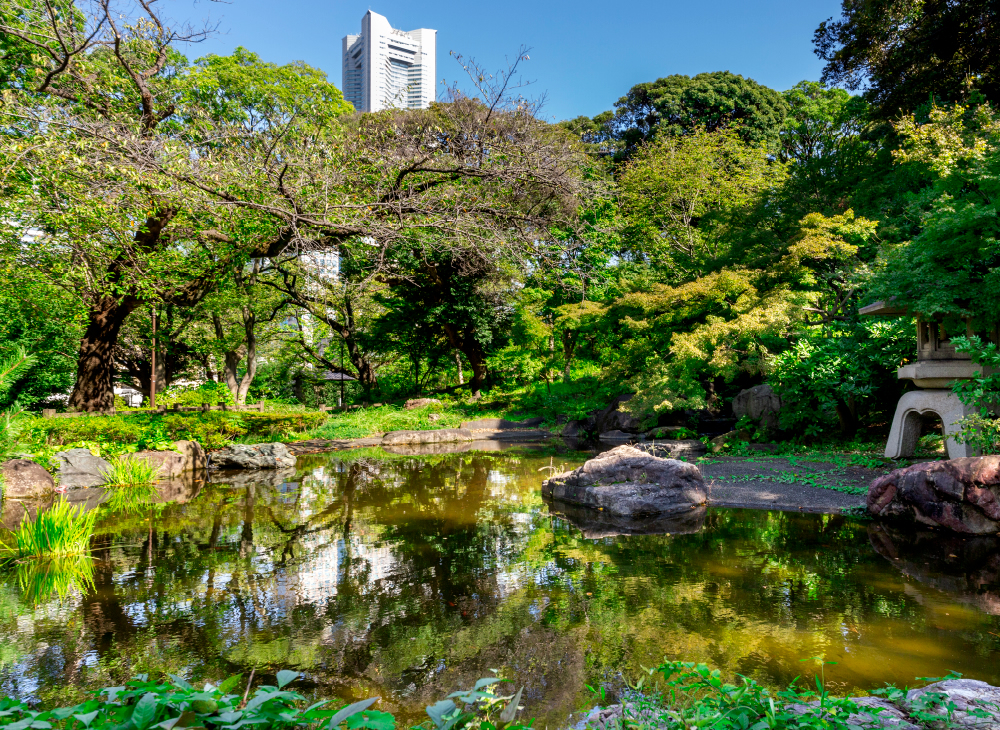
{"points": [[584, 54]]}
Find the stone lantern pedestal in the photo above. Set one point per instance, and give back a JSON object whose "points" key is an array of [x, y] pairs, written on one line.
{"points": [[938, 365]]}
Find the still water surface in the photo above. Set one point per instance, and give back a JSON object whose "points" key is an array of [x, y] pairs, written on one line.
{"points": [[409, 577]]}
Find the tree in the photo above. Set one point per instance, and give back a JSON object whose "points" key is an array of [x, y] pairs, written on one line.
{"points": [[950, 268], [679, 193], [680, 104], [905, 54]]}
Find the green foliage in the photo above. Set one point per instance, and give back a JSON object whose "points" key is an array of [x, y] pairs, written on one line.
{"points": [[212, 430], [883, 46], [834, 377], [951, 266], [981, 429], [211, 393], [39, 579], [693, 695], [142, 705], [61, 530], [128, 471]]}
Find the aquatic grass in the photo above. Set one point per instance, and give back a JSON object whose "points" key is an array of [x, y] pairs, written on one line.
{"points": [[130, 472], [61, 530]]}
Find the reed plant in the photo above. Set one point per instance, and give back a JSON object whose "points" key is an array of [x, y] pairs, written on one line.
{"points": [[130, 472], [61, 530]]}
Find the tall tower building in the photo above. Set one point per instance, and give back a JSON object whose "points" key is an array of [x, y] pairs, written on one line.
{"points": [[385, 68]]}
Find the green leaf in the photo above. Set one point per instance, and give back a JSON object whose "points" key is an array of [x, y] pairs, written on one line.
{"points": [[87, 718], [285, 676], [352, 709], [438, 710], [145, 711], [507, 716], [229, 684], [487, 681], [372, 720], [179, 682]]}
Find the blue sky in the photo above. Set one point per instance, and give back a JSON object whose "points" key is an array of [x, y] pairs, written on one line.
{"points": [[584, 54]]}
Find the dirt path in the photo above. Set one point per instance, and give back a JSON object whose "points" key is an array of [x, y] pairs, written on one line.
{"points": [[786, 483]]}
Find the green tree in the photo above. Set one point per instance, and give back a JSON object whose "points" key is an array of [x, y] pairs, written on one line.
{"points": [[904, 53]]}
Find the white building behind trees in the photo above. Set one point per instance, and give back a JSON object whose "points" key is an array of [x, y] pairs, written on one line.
{"points": [[385, 68]]}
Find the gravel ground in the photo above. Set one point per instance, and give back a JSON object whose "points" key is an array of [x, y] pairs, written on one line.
{"points": [[786, 483]]}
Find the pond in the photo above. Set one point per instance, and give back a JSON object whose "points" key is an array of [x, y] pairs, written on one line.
{"points": [[409, 577]]}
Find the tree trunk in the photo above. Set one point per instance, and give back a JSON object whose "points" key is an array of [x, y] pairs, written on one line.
{"points": [[569, 346], [95, 370], [458, 366]]}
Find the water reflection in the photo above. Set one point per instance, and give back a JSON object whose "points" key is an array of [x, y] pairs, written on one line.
{"points": [[410, 576]]}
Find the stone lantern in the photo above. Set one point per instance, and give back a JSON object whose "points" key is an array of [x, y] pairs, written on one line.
{"points": [[937, 366]]}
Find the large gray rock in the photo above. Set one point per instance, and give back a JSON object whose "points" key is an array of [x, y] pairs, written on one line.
{"points": [[440, 436], [79, 469], [189, 456], [627, 481], [962, 495], [969, 698], [617, 435], [675, 449], [761, 404], [24, 479], [255, 456], [613, 418]]}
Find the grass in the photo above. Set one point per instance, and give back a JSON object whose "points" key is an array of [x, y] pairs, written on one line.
{"points": [[60, 531], [130, 472], [132, 484]]}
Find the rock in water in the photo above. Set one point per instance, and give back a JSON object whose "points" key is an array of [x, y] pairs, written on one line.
{"points": [[78, 469], [23, 479], [627, 481], [255, 456], [961, 494]]}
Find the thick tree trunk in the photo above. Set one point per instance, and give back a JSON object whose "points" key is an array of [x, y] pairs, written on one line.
{"points": [[95, 370], [458, 366]]}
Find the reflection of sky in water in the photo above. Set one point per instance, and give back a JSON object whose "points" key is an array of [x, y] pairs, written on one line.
{"points": [[440, 572]]}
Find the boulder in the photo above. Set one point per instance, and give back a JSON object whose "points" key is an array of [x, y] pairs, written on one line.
{"points": [[420, 403], [79, 469], [189, 456], [761, 404], [614, 419], [960, 703], [676, 449], [255, 456], [627, 481], [962, 495], [24, 479], [442, 435]]}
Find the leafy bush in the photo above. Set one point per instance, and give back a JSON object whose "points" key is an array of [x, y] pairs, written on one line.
{"points": [[841, 375], [209, 392], [212, 430], [982, 428], [142, 705], [694, 696]]}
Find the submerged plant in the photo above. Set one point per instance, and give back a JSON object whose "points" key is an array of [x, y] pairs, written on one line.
{"points": [[130, 472], [61, 530]]}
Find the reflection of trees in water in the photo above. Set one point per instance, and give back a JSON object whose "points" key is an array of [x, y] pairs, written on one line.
{"points": [[441, 574]]}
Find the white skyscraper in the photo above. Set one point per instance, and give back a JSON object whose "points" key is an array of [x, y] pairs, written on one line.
{"points": [[385, 68]]}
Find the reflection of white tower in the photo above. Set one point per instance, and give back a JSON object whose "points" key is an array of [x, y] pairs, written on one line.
{"points": [[385, 68]]}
